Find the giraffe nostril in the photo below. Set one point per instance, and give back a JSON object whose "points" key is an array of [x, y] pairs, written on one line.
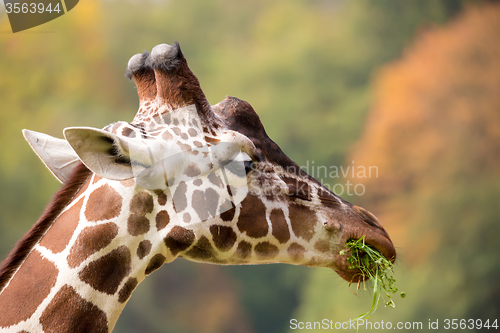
{"points": [[377, 237], [384, 246], [367, 217]]}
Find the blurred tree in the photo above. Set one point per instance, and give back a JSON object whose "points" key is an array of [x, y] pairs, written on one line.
{"points": [[434, 134]]}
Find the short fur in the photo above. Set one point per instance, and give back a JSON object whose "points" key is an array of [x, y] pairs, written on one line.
{"points": [[60, 200]]}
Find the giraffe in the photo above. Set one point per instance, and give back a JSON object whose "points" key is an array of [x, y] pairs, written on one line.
{"points": [[182, 179]]}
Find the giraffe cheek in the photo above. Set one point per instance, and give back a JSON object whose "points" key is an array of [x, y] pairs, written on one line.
{"points": [[280, 227], [302, 219], [324, 246], [296, 252]]}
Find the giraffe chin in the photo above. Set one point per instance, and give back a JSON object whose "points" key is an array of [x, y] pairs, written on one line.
{"points": [[352, 275]]}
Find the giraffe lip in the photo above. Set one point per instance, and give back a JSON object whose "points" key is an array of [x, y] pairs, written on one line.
{"points": [[378, 242]]}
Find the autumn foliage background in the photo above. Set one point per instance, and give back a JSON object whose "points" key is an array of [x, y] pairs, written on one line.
{"points": [[409, 87]]}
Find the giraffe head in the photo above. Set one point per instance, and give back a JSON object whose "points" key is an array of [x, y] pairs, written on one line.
{"points": [[232, 195]]}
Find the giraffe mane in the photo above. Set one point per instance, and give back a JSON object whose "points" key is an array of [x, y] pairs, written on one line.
{"points": [[59, 201]]}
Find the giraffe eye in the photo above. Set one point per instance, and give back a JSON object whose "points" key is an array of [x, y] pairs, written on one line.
{"points": [[237, 168], [249, 166]]}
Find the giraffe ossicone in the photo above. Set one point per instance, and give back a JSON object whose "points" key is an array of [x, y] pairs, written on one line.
{"points": [[182, 179]]}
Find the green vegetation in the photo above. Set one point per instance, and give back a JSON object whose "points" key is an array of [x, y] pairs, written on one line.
{"points": [[374, 266]]}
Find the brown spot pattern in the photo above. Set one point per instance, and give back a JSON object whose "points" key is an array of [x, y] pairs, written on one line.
{"points": [[303, 221], [323, 246], [252, 219], [223, 237], [127, 289], [162, 197], [58, 236], [162, 219], [192, 170], [179, 198], [280, 228], [32, 284], [128, 182], [103, 204], [176, 130], [205, 203], [167, 135], [179, 239], [137, 225], [69, 312], [127, 131], [266, 250], [201, 250], [228, 210], [212, 201], [298, 189], [183, 146], [215, 179], [192, 132], [243, 250], [91, 240], [296, 252], [155, 263], [142, 203], [106, 273], [143, 248]]}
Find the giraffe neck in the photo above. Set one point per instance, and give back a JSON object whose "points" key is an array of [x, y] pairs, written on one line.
{"points": [[81, 273]]}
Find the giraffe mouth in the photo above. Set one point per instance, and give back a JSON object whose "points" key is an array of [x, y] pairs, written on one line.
{"points": [[349, 269], [375, 238], [349, 272]]}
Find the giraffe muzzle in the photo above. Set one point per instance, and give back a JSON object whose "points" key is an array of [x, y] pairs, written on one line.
{"points": [[363, 223]]}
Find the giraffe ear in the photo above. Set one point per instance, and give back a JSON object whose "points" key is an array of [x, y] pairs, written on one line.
{"points": [[104, 153], [56, 154]]}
